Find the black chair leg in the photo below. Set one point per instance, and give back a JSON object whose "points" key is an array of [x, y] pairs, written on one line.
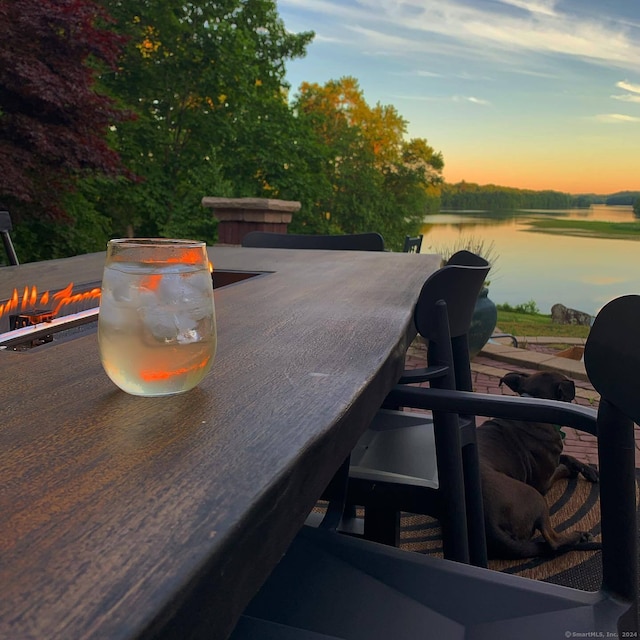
{"points": [[475, 511], [455, 544], [453, 517], [382, 525]]}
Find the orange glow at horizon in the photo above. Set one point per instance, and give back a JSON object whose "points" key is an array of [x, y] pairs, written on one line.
{"points": [[564, 173]]}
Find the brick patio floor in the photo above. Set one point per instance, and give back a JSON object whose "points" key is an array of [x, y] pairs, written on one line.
{"points": [[497, 360]]}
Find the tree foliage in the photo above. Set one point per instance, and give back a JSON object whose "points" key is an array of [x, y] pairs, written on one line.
{"points": [[53, 124], [206, 80], [369, 177], [622, 198], [192, 99], [466, 195]]}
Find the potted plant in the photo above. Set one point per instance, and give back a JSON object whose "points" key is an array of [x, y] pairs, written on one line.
{"points": [[485, 316]]}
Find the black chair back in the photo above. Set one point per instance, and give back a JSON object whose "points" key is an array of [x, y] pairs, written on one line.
{"points": [[614, 337], [612, 362], [412, 244], [348, 242], [458, 284], [458, 287]]}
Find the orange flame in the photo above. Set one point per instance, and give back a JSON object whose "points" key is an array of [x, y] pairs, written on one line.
{"points": [[29, 299], [11, 304]]}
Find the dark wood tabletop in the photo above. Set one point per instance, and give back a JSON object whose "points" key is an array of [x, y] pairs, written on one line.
{"points": [[128, 517]]}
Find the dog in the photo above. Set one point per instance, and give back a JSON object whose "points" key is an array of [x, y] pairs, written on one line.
{"points": [[519, 462]]}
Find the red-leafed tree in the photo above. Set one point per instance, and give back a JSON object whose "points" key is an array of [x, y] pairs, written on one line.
{"points": [[53, 123]]}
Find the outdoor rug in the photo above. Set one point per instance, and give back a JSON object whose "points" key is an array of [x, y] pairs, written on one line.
{"points": [[574, 504]]}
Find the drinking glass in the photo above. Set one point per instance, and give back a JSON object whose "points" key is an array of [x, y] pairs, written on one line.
{"points": [[156, 327]]}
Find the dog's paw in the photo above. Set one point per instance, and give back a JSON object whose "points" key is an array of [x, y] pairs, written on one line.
{"points": [[585, 536], [590, 473], [587, 543]]}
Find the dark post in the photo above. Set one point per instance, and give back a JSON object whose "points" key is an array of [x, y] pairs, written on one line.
{"points": [[239, 216], [5, 228]]}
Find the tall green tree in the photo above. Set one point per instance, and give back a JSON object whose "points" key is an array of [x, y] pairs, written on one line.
{"points": [[372, 178], [206, 79]]}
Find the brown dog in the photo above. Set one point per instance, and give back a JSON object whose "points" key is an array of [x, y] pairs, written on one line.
{"points": [[519, 462]]}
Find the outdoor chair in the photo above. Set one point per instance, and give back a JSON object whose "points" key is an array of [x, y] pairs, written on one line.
{"points": [[410, 462], [329, 585], [5, 228], [347, 242], [412, 244], [421, 463]]}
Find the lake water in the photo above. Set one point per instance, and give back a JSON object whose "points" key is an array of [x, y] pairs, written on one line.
{"points": [[581, 272]]}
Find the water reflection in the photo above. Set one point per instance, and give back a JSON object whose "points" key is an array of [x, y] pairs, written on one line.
{"points": [[581, 272]]}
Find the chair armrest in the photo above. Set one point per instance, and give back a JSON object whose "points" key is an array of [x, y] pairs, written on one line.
{"points": [[483, 404], [424, 374]]}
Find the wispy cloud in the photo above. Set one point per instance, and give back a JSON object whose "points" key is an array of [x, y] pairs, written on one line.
{"points": [[416, 73], [456, 98], [471, 99], [420, 73], [545, 8], [628, 86], [627, 97], [409, 26], [322, 38], [633, 95], [616, 118]]}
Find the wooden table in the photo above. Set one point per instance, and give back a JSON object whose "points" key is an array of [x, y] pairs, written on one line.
{"points": [[127, 517]]}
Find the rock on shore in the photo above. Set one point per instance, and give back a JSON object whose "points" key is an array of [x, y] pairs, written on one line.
{"points": [[563, 315]]}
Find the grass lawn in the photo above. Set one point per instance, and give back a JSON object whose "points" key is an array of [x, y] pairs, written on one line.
{"points": [[592, 228], [537, 324]]}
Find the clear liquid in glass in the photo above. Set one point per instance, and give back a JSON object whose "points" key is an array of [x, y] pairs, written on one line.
{"points": [[156, 327]]}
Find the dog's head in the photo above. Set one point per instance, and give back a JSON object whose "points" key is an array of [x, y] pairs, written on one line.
{"points": [[543, 384]]}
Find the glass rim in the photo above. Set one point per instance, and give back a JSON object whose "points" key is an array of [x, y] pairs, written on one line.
{"points": [[165, 242]]}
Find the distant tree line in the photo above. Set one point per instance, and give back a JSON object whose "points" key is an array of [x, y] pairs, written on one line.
{"points": [[116, 118], [615, 199], [467, 195]]}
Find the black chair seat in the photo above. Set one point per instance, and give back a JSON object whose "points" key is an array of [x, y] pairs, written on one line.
{"points": [[398, 447]]}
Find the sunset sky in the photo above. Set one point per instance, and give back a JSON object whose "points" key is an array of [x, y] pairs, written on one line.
{"points": [[539, 94]]}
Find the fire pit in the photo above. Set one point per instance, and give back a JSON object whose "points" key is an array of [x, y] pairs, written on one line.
{"points": [[31, 319]]}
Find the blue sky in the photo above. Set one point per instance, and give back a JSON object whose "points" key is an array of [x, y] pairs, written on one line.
{"points": [[525, 93]]}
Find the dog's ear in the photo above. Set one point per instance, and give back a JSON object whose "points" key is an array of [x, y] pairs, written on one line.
{"points": [[514, 380], [566, 390]]}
